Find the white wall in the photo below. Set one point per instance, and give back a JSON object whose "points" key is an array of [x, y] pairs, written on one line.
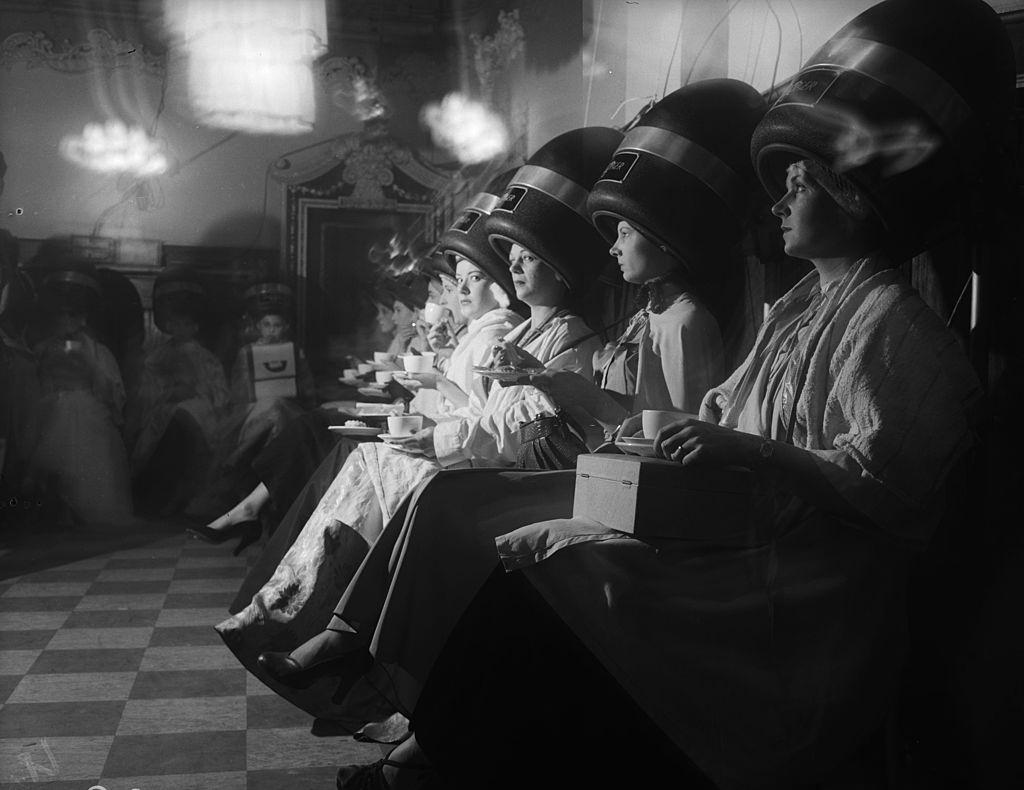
{"points": [[755, 41]]}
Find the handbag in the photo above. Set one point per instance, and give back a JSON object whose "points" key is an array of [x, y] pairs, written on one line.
{"points": [[550, 442]]}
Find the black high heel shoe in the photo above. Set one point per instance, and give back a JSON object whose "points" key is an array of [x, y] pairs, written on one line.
{"points": [[286, 670], [249, 531]]}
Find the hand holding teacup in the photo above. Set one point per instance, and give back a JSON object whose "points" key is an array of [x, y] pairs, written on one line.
{"points": [[647, 423], [405, 433]]}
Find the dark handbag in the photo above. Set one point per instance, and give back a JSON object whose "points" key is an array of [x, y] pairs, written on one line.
{"points": [[549, 443]]}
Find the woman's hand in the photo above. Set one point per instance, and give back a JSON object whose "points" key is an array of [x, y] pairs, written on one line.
{"points": [[631, 426], [419, 443], [439, 336], [507, 354], [711, 407], [692, 441]]}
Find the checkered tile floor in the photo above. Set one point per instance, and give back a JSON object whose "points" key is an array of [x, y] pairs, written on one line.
{"points": [[111, 674]]}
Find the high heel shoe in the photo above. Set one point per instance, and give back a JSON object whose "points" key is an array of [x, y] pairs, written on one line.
{"points": [[249, 531], [346, 669], [289, 672]]}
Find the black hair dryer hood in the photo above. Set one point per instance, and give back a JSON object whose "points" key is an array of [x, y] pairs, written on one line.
{"points": [[911, 101]]}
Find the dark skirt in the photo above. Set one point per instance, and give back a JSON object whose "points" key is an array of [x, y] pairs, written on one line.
{"points": [[290, 459], [515, 700]]}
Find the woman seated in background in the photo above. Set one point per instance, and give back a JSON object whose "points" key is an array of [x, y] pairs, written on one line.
{"points": [[398, 605], [80, 456], [765, 657], [410, 295], [297, 600], [444, 321], [181, 397], [271, 384]]}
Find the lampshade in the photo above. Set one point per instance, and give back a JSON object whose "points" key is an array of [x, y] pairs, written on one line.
{"points": [[249, 62]]}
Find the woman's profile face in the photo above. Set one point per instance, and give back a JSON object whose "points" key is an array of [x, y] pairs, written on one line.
{"points": [[450, 299], [813, 225], [639, 258], [475, 297], [404, 315], [535, 281], [385, 319], [435, 290]]}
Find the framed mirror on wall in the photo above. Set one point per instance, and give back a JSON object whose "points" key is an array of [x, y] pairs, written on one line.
{"points": [[335, 276], [363, 190]]}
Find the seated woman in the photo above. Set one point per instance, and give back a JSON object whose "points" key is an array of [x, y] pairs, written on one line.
{"points": [[410, 295], [759, 661], [398, 605], [443, 318], [181, 396], [80, 452], [299, 598], [271, 384]]}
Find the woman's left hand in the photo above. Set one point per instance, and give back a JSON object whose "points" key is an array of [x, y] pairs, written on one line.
{"points": [[692, 441], [419, 443]]}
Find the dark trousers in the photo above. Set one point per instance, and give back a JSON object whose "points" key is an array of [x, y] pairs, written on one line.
{"points": [[515, 700]]}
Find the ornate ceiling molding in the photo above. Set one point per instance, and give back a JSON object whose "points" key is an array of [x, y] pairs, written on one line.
{"points": [[99, 50]]}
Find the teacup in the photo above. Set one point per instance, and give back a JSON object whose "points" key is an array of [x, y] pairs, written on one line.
{"points": [[418, 363], [405, 424], [384, 376], [653, 420], [383, 357], [349, 373], [363, 368], [432, 312]]}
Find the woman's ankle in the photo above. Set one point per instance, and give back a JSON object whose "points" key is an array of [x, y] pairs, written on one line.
{"points": [[325, 646]]}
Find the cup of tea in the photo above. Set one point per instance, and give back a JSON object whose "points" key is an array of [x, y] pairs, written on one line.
{"points": [[404, 424], [383, 357], [349, 373], [433, 312], [363, 368], [384, 376], [418, 363], [653, 420]]}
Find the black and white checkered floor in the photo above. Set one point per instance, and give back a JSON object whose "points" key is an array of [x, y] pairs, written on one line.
{"points": [[111, 674]]}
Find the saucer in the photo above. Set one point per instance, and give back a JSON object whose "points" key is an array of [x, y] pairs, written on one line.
{"points": [[373, 392], [635, 445], [387, 437], [505, 374], [354, 430]]}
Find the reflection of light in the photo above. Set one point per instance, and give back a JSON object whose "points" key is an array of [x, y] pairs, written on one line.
{"points": [[249, 61], [114, 148], [898, 147], [466, 128]]}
